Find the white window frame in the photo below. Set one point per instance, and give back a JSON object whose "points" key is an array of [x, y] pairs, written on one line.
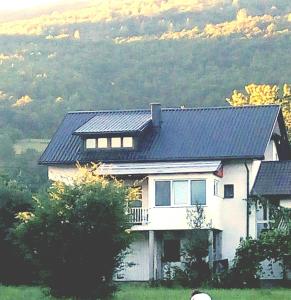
{"points": [[116, 138], [90, 148], [172, 202], [267, 221], [131, 139], [216, 188], [109, 143], [105, 138]]}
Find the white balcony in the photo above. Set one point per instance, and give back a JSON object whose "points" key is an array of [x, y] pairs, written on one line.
{"points": [[139, 215]]}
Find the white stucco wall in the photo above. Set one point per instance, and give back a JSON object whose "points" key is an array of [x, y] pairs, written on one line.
{"points": [[271, 151], [62, 173], [175, 217], [285, 203], [136, 262], [234, 209]]}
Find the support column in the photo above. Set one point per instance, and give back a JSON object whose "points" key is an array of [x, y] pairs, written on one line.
{"points": [[151, 255], [158, 256], [210, 248]]}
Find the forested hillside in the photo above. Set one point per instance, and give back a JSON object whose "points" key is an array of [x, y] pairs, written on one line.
{"points": [[128, 53]]}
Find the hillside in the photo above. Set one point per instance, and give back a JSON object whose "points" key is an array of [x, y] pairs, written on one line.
{"points": [[127, 53]]}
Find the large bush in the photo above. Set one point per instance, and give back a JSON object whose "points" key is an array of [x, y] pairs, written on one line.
{"points": [[77, 236], [13, 199], [195, 270]]}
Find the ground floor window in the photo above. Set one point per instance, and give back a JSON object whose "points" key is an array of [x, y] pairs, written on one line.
{"points": [[172, 250], [263, 217]]}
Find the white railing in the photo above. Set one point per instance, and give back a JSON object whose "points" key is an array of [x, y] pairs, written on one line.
{"points": [[139, 215], [283, 225]]}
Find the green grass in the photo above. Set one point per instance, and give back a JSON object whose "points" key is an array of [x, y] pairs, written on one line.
{"points": [[36, 144], [143, 292], [23, 293]]}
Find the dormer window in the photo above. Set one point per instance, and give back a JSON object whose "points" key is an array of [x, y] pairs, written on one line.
{"points": [[90, 143], [116, 142], [102, 143], [127, 142]]}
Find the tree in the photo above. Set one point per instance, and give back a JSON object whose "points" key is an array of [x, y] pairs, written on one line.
{"points": [[264, 94], [195, 270], [13, 199], [77, 235]]}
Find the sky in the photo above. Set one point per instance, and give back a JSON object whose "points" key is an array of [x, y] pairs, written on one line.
{"points": [[23, 4]]}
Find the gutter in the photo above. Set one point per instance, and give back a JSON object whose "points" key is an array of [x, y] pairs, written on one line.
{"points": [[222, 158], [248, 195]]}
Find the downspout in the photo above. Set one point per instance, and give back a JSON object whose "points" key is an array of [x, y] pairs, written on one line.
{"points": [[248, 194]]}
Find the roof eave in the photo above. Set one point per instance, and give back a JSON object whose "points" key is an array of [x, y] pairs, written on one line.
{"points": [[222, 158]]}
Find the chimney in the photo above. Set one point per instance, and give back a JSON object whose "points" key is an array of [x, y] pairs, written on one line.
{"points": [[156, 115]]}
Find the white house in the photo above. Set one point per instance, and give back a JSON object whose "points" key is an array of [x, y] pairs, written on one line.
{"points": [[209, 156]]}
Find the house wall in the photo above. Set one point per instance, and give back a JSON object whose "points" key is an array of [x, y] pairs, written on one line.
{"points": [[234, 209], [228, 215], [62, 173], [271, 151], [285, 203], [175, 217], [136, 262]]}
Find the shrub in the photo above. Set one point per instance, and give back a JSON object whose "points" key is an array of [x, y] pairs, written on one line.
{"points": [[77, 236], [195, 270], [13, 199], [272, 244]]}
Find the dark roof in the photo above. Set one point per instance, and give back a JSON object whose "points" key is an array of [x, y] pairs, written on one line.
{"points": [[116, 122], [185, 134], [273, 179]]}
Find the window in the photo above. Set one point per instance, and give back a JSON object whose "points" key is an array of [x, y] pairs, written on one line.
{"points": [[113, 142], [171, 250], [116, 142], [263, 220], [127, 142], [180, 192], [102, 143], [90, 143], [216, 187], [162, 193], [198, 192], [228, 191]]}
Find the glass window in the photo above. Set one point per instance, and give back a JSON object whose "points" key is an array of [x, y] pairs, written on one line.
{"points": [[180, 192], [171, 250], [262, 212], [102, 143], [263, 221], [228, 191], [198, 192], [116, 142], [261, 227], [162, 193], [127, 142], [216, 187], [90, 143]]}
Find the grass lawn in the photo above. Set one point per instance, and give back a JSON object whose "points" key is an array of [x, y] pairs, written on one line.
{"points": [[143, 292], [22, 293]]}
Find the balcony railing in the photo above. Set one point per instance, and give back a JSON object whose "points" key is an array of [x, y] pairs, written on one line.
{"points": [[139, 215]]}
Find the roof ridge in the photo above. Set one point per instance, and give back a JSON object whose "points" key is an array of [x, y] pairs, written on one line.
{"points": [[221, 107], [173, 109], [108, 111]]}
